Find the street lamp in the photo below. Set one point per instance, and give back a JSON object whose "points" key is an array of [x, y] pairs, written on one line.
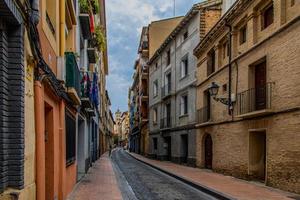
{"points": [[214, 90]]}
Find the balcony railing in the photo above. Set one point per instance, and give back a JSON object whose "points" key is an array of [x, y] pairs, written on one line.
{"points": [[86, 87], [203, 115], [166, 90], [254, 99], [166, 123], [73, 77]]}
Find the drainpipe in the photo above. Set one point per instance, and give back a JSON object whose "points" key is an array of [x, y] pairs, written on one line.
{"points": [[230, 108], [39, 139], [62, 20]]}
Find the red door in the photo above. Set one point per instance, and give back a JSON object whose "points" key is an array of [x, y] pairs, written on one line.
{"points": [[260, 86], [208, 151]]}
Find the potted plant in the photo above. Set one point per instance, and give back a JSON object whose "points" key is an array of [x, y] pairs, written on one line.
{"points": [[84, 6], [99, 38], [95, 5]]}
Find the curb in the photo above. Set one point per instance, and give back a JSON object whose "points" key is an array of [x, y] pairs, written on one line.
{"points": [[203, 188]]}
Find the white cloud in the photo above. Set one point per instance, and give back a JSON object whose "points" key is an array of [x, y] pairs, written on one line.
{"points": [[125, 19]]}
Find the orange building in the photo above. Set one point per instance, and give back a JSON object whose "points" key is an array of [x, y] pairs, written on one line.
{"points": [[55, 111]]}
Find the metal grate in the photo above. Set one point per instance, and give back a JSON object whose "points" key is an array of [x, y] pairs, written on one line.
{"points": [[254, 99]]}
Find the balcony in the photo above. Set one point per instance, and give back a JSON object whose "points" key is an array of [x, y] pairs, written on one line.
{"points": [[255, 102], [145, 73], [70, 13], [86, 86], [166, 91], [91, 53], [73, 77], [85, 19], [166, 123], [144, 95], [203, 115]]}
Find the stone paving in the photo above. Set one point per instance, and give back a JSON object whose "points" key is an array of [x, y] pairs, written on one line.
{"points": [[99, 184], [228, 185]]}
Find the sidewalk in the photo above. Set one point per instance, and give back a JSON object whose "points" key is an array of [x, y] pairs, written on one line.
{"points": [[99, 183], [230, 186]]}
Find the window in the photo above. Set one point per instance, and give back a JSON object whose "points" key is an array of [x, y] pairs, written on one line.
{"points": [[211, 57], [184, 66], [155, 116], [155, 143], [155, 88], [224, 87], [185, 35], [184, 105], [156, 65], [225, 50], [70, 138], [243, 34], [268, 16], [51, 15], [292, 2], [169, 57]]}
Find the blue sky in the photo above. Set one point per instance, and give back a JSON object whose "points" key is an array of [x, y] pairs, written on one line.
{"points": [[125, 18]]}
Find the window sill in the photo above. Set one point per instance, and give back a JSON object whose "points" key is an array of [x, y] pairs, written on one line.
{"points": [[184, 77], [183, 116], [70, 162]]}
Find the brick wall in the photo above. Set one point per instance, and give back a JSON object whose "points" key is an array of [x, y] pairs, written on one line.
{"points": [[11, 107]]}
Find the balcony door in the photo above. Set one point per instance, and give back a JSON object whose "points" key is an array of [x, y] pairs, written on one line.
{"points": [[168, 84], [207, 105], [260, 86], [168, 114]]}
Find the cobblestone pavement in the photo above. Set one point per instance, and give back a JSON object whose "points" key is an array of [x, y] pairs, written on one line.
{"points": [[148, 183]]}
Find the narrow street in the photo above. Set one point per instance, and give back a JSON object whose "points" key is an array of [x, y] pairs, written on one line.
{"points": [[148, 183]]}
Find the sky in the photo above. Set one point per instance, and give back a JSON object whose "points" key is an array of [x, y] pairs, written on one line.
{"points": [[125, 19]]}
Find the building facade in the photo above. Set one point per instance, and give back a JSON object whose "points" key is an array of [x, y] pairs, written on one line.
{"points": [[247, 94], [151, 38], [172, 90], [17, 138], [56, 69]]}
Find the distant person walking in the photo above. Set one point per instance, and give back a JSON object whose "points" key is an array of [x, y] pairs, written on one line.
{"points": [[110, 148]]}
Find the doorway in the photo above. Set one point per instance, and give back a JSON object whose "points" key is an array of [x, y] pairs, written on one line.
{"points": [[169, 148], [81, 149], [49, 152], [208, 151], [185, 148], [168, 115], [257, 155], [260, 86]]}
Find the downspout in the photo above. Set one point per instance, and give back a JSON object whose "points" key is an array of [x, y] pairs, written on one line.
{"points": [[230, 108], [62, 19], [62, 106]]}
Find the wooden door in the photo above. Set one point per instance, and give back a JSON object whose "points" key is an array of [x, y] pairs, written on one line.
{"points": [[260, 86], [168, 119], [168, 83], [169, 148], [207, 104], [208, 151]]}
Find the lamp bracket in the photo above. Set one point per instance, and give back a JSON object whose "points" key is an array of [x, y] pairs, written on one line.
{"points": [[224, 101]]}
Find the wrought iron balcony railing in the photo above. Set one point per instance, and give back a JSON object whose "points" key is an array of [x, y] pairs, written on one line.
{"points": [[73, 75], [166, 90], [166, 123], [254, 99], [203, 115]]}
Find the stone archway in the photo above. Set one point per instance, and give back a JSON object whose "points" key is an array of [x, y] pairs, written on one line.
{"points": [[208, 151]]}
